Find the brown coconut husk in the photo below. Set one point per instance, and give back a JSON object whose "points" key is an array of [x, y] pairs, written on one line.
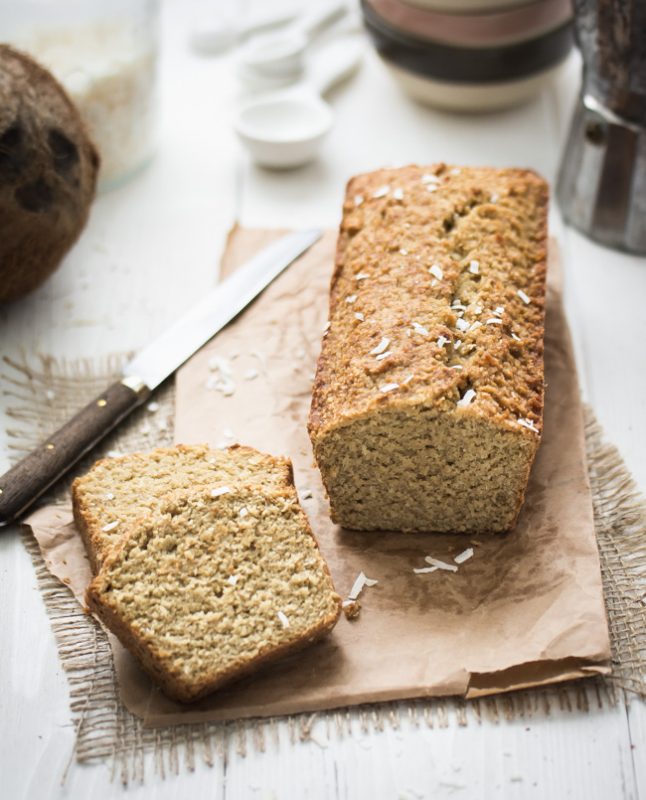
{"points": [[48, 173]]}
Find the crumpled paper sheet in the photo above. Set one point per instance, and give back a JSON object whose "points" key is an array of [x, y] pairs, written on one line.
{"points": [[526, 610]]}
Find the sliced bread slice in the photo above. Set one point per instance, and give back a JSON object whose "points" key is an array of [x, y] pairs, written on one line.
{"points": [[212, 586], [118, 491]]}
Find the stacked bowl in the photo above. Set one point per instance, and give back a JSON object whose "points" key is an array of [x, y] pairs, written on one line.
{"points": [[470, 55]]}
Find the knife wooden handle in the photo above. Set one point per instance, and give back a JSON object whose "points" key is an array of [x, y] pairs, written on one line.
{"points": [[24, 483]]}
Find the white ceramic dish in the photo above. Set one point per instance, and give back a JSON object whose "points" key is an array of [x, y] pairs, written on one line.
{"points": [[467, 98]]}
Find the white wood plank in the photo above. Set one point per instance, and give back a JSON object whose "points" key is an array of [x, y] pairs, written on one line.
{"points": [[582, 755], [637, 722]]}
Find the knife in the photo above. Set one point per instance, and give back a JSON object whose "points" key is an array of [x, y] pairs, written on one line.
{"points": [[29, 478]]}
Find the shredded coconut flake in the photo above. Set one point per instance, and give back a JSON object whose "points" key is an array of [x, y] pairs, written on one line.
{"points": [[152, 407], [420, 329], [436, 272], [467, 398], [516, 338], [114, 454], [358, 315], [243, 512], [381, 356], [408, 379], [438, 564], [477, 309], [358, 586], [110, 526], [424, 570], [351, 298], [456, 366], [523, 297], [383, 345], [361, 276], [220, 364], [284, 619], [494, 198], [527, 423], [475, 325], [493, 321], [457, 344], [398, 194], [474, 267], [403, 251], [109, 496], [232, 579], [431, 189], [220, 491], [499, 311], [382, 191], [358, 199], [442, 340], [430, 178], [465, 555], [455, 171], [388, 387], [461, 324], [221, 380]]}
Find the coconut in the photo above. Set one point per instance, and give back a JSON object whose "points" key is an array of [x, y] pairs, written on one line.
{"points": [[48, 172]]}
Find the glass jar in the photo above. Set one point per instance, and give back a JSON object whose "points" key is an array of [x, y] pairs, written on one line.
{"points": [[105, 55]]}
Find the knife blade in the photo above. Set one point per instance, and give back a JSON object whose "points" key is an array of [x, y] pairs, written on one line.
{"points": [[29, 478]]}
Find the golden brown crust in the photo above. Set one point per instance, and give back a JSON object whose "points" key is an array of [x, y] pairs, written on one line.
{"points": [[394, 241]]}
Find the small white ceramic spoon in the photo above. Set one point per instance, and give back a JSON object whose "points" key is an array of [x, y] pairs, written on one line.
{"points": [[281, 54], [285, 129]]}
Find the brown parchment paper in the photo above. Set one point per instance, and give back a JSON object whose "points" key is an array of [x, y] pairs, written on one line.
{"points": [[526, 610]]}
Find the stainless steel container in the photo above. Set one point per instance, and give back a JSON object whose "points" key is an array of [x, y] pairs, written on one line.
{"points": [[602, 181]]}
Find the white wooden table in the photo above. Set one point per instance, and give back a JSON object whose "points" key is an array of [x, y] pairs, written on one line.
{"points": [[150, 250]]}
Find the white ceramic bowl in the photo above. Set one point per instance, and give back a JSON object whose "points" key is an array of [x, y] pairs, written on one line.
{"points": [[284, 130], [467, 98], [470, 62]]}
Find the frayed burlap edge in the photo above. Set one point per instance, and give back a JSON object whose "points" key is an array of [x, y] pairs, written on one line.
{"points": [[41, 397], [620, 525]]}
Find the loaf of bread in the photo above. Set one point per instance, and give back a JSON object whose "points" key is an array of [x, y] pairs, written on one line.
{"points": [[427, 404], [213, 585], [119, 491]]}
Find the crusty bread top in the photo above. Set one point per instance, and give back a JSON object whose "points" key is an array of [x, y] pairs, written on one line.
{"points": [[118, 491], [438, 290], [208, 586]]}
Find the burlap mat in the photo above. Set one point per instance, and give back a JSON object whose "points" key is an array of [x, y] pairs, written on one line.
{"points": [[41, 396]]}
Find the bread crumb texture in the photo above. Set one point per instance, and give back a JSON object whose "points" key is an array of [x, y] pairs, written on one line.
{"points": [[209, 588], [427, 405], [118, 491]]}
